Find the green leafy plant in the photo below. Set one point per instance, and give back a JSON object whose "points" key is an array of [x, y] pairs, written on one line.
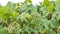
{"points": [[25, 18]]}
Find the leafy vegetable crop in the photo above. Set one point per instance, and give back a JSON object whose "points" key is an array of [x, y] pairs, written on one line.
{"points": [[24, 18]]}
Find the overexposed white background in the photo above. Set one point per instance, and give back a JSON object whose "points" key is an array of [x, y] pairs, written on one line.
{"points": [[4, 2]]}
